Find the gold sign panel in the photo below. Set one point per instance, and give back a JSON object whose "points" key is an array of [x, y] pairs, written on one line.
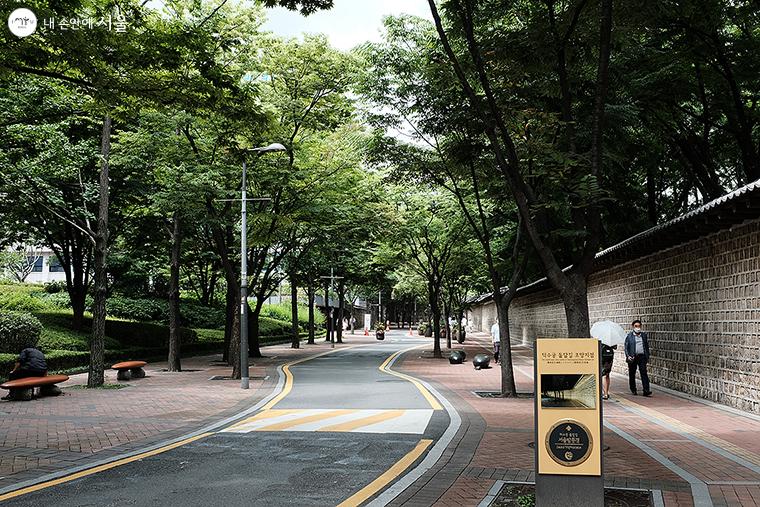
{"points": [[568, 409]]}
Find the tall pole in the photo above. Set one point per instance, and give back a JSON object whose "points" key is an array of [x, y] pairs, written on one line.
{"points": [[244, 378]]}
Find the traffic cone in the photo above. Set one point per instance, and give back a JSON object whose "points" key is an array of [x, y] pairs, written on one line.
{"points": [[366, 333], [410, 331]]}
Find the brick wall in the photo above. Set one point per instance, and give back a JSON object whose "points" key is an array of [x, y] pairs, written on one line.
{"points": [[700, 304]]}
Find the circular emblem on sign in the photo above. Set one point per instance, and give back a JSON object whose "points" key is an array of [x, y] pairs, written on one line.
{"points": [[22, 22], [569, 443]]}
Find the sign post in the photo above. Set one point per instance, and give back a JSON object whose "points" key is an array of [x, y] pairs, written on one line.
{"points": [[568, 423]]}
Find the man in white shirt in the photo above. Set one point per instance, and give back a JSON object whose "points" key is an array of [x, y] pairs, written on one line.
{"points": [[496, 341]]}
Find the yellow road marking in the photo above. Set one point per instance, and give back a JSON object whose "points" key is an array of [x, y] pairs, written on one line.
{"points": [[267, 414], [304, 420], [364, 421], [373, 487], [289, 376], [696, 432], [100, 468], [428, 396]]}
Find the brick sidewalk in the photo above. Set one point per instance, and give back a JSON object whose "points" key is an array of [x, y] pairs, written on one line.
{"points": [[681, 449], [87, 425]]}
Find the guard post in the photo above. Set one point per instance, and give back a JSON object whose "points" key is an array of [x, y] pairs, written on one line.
{"points": [[568, 423]]}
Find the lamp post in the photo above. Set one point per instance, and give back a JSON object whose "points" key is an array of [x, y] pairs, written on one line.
{"points": [[244, 377]]}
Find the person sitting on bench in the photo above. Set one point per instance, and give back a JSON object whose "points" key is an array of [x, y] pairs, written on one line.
{"points": [[31, 363]]}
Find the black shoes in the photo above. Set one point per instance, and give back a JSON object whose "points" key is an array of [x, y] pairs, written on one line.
{"points": [[647, 393], [635, 393]]}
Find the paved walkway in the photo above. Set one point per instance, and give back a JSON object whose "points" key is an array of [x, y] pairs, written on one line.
{"points": [[685, 451], [83, 426]]}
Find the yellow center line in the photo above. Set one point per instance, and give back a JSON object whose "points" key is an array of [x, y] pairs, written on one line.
{"points": [[267, 414], [364, 421], [289, 376], [373, 487], [304, 420], [100, 468], [428, 396]]}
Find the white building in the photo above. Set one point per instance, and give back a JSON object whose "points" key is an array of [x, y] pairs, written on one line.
{"points": [[43, 266]]}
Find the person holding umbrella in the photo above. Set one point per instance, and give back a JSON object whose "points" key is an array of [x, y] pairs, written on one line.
{"points": [[611, 335]]}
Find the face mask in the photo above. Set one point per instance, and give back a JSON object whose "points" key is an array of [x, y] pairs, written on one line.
{"points": [[637, 330]]}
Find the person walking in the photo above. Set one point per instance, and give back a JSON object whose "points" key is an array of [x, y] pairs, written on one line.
{"points": [[637, 356], [608, 355], [496, 341]]}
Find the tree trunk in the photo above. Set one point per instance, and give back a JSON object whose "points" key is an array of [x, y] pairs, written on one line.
{"points": [[436, 321], [174, 317], [328, 317], [310, 292], [447, 312], [462, 332], [341, 302], [95, 374], [231, 308], [296, 343], [508, 386], [233, 354], [575, 300], [253, 327]]}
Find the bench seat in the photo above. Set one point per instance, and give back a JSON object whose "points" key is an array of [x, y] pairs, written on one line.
{"points": [[23, 389]]}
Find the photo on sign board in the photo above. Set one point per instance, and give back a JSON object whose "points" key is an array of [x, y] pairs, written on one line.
{"points": [[568, 391]]}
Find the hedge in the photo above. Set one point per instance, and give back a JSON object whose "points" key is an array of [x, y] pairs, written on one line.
{"points": [[20, 302], [18, 330]]}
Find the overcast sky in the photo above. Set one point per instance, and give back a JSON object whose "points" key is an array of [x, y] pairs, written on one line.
{"points": [[348, 23]]}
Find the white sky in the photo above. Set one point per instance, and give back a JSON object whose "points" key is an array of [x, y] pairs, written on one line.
{"points": [[348, 23]]}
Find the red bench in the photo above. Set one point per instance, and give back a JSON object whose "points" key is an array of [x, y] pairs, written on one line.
{"points": [[129, 369], [23, 389]]}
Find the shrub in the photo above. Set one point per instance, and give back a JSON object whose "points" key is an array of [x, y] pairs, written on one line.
{"points": [[282, 312], [197, 315], [143, 334], [17, 330], [210, 335], [66, 339], [138, 309], [55, 287], [20, 302], [270, 327]]}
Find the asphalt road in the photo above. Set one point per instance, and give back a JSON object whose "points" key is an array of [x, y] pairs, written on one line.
{"points": [[343, 424]]}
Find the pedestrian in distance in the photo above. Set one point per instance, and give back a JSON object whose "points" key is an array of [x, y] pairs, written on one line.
{"points": [[608, 355], [496, 341], [353, 324], [637, 356]]}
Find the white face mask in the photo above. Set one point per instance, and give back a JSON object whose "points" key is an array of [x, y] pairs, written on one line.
{"points": [[637, 330]]}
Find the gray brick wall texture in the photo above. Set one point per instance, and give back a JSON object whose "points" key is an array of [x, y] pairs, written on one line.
{"points": [[699, 302]]}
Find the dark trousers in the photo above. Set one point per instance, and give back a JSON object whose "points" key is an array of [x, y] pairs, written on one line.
{"points": [[639, 361], [24, 373]]}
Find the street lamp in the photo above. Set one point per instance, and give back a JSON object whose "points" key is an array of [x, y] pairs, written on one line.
{"points": [[244, 378]]}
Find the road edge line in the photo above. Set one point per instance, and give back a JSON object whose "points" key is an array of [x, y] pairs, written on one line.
{"points": [[433, 455], [159, 447], [386, 477]]}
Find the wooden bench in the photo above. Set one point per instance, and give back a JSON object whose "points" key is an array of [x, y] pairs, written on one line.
{"points": [[129, 369], [23, 389]]}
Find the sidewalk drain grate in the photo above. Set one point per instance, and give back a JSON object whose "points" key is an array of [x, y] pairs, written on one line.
{"points": [[497, 394], [227, 377]]}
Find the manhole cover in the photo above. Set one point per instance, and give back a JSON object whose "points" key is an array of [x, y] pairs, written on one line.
{"points": [[497, 394]]}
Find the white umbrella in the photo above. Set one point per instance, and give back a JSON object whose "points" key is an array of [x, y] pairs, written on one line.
{"points": [[609, 333]]}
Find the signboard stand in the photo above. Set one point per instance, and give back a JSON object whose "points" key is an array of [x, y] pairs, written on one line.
{"points": [[568, 423]]}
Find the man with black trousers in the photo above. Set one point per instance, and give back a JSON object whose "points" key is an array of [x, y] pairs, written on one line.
{"points": [[637, 355]]}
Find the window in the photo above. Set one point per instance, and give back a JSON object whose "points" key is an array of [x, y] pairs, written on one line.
{"points": [[36, 262], [55, 266]]}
